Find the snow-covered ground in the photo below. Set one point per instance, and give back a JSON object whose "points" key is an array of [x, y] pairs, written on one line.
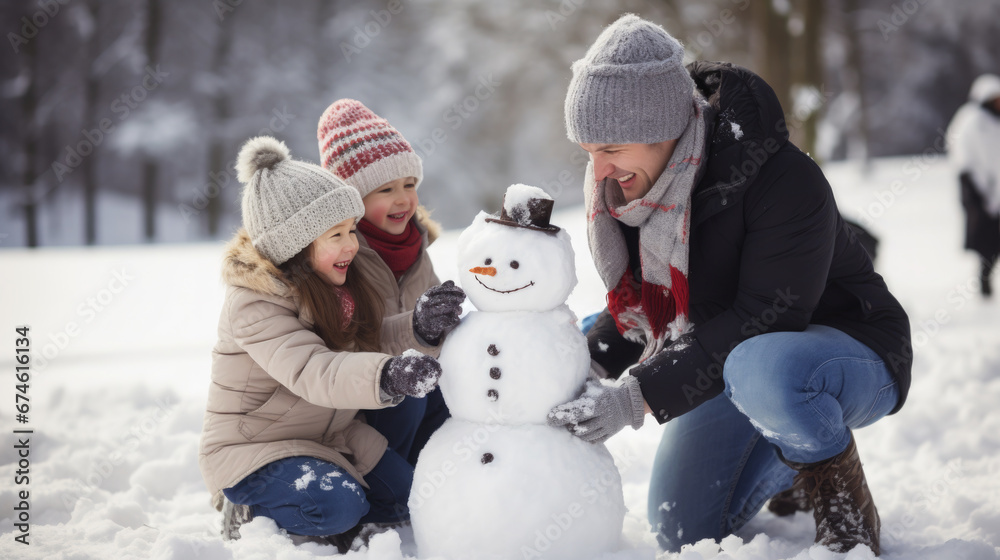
{"points": [[121, 340]]}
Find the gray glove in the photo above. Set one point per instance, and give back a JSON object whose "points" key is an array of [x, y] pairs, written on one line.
{"points": [[601, 411], [411, 374], [437, 311]]}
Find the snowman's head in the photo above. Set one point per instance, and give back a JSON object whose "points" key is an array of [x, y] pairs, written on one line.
{"points": [[507, 268]]}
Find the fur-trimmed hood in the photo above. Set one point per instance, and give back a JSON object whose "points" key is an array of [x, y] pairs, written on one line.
{"points": [[244, 267], [433, 228]]}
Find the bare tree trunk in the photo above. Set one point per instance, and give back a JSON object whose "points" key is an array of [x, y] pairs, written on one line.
{"points": [[771, 44], [220, 115], [854, 79], [88, 166], [29, 105], [809, 68], [150, 168]]}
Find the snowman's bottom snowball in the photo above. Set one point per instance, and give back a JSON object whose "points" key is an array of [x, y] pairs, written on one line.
{"points": [[531, 491]]}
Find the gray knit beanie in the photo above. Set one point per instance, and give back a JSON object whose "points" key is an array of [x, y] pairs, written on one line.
{"points": [[287, 204], [630, 88]]}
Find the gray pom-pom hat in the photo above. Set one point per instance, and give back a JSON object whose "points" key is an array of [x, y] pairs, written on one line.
{"points": [[287, 204], [630, 88]]}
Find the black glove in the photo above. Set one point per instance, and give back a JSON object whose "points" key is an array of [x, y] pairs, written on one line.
{"points": [[437, 311], [411, 374]]}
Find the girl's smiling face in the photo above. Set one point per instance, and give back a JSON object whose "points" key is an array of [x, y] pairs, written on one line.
{"points": [[391, 206], [332, 252]]}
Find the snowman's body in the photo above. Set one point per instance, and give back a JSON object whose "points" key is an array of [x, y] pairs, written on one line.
{"points": [[495, 481]]}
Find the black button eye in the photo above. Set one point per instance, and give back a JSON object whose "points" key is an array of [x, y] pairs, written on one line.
{"points": [[514, 264], [488, 262]]}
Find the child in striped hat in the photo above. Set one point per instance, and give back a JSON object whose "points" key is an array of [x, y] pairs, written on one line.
{"points": [[370, 155]]}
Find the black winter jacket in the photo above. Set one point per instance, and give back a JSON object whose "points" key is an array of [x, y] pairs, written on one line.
{"points": [[769, 252]]}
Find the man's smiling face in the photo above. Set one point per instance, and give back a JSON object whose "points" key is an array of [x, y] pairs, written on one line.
{"points": [[633, 167]]}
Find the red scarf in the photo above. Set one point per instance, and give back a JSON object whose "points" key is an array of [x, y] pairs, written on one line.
{"points": [[398, 251]]}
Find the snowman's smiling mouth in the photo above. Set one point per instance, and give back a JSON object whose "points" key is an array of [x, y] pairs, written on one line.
{"points": [[528, 285]]}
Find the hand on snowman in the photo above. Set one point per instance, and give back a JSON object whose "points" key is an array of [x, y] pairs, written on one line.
{"points": [[410, 374], [601, 411], [437, 311]]}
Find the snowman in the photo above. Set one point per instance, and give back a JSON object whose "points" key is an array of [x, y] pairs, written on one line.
{"points": [[495, 481]]}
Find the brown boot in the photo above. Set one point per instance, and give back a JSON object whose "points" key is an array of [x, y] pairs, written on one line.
{"points": [[842, 505], [791, 500]]}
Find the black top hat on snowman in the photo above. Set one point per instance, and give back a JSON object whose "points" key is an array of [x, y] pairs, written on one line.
{"points": [[534, 213]]}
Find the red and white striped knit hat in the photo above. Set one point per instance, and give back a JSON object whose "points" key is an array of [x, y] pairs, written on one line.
{"points": [[363, 149]]}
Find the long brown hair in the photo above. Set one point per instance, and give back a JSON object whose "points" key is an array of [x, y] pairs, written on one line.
{"points": [[322, 299]]}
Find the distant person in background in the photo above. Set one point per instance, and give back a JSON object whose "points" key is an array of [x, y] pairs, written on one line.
{"points": [[301, 350], [762, 335], [974, 148], [367, 153]]}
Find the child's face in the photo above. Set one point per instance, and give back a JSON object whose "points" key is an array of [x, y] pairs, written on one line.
{"points": [[331, 253], [391, 206]]}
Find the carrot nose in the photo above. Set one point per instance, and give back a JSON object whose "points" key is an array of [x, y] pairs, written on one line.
{"points": [[487, 270]]}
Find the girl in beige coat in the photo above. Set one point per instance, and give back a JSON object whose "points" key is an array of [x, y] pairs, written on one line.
{"points": [[299, 354]]}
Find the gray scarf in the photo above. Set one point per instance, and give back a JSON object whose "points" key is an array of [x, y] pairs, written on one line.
{"points": [[656, 310]]}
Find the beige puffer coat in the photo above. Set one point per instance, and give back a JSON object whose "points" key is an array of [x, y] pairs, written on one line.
{"points": [[401, 297], [277, 391]]}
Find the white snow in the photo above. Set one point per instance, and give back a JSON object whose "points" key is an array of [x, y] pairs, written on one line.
{"points": [[505, 368], [308, 475], [542, 362], [736, 129], [117, 409], [541, 493], [534, 271], [326, 482]]}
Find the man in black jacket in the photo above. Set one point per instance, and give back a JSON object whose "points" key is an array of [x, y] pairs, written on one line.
{"points": [[762, 334]]}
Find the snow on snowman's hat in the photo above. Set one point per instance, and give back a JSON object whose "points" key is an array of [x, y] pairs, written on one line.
{"points": [[526, 207]]}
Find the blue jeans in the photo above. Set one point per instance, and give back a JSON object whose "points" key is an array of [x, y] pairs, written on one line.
{"points": [[309, 496], [794, 393]]}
